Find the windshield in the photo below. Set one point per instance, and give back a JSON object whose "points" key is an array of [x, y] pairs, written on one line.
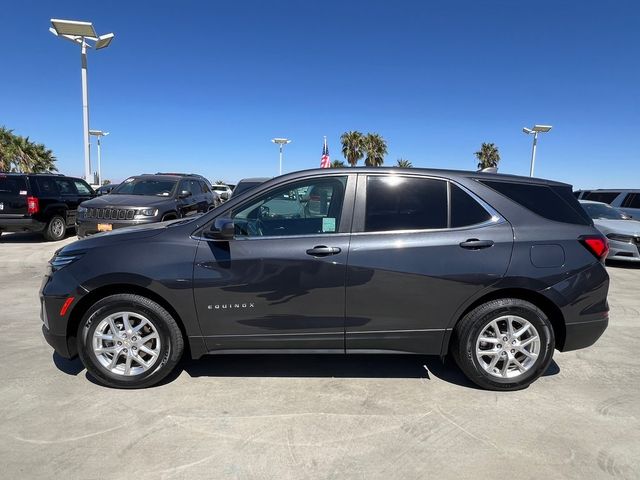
{"points": [[605, 212], [145, 186]]}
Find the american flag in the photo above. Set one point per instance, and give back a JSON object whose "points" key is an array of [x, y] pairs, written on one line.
{"points": [[325, 162]]}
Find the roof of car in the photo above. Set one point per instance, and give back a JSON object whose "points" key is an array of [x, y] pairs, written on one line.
{"points": [[595, 203], [255, 179], [430, 171], [612, 190]]}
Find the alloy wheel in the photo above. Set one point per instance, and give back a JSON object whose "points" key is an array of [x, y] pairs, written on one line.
{"points": [[508, 346], [126, 343]]}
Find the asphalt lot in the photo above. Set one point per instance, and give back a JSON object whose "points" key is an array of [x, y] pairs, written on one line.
{"points": [[299, 417]]}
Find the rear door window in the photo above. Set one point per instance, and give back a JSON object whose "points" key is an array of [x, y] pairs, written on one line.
{"points": [[404, 203], [465, 210], [604, 197], [551, 202], [65, 186]]}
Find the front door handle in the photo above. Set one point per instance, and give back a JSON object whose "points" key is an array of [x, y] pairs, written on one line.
{"points": [[475, 244], [322, 251]]}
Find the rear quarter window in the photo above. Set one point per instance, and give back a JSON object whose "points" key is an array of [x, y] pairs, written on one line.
{"points": [[555, 203], [47, 186], [13, 185]]}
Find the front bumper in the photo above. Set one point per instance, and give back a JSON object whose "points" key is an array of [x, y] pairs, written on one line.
{"points": [[86, 227], [623, 251], [21, 225]]}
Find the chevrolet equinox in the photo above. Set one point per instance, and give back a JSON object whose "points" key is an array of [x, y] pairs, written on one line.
{"points": [[495, 270]]}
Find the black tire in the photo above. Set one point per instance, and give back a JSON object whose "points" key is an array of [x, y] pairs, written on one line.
{"points": [[171, 341], [56, 229], [467, 331]]}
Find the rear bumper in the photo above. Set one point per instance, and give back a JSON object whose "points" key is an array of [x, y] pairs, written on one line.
{"points": [[21, 225], [584, 334]]}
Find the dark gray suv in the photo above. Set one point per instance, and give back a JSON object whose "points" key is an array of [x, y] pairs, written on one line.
{"points": [[146, 199], [495, 270]]}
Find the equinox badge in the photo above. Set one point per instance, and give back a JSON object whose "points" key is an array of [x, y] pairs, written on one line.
{"points": [[230, 306]]}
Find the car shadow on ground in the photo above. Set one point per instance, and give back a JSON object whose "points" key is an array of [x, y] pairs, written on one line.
{"points": [[623, 264], [311, 366], [28, 237]]}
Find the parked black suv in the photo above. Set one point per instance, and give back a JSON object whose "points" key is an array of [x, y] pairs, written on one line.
{"points": [[39, 202], [496, 270], [147, 199]]}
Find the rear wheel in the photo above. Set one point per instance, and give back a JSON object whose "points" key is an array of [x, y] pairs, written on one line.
{"points": [[56, 229], [129, 341], [504, 344]]}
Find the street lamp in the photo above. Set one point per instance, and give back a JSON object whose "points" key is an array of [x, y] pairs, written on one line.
{"points": [[99, 134], [79, 33], [281, 142], [535, 131]]}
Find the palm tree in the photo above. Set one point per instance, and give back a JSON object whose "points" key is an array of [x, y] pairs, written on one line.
{"points": [[488, 156], [352, 146], [337, 164], [402, 163], [375, 148], [19, 154]]}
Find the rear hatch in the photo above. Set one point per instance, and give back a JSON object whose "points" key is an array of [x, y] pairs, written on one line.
{"points": [[13, 196]]}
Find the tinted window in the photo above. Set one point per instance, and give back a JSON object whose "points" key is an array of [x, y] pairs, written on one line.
{"points": [[204, 187], [47, 186], [604, 197], [465, 210], [401, 203], [554, 203], [65, 186], [13, 185], [194, 187], [303, 208], [632, 201], [83, 188]]}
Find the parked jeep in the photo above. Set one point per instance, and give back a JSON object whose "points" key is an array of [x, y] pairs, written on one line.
{"points": [[41, 202], [146, 199]]}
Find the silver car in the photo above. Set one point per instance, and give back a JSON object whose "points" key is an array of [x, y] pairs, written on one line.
{"points": [[622, 231]]}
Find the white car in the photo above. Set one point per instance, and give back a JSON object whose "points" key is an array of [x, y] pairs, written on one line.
{"points": [[622, 231], [223, 190]]}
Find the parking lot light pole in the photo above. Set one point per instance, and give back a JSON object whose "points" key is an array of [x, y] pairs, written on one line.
{"points": [[99, 134], [535, 131], [281, 142], [78, 33]]}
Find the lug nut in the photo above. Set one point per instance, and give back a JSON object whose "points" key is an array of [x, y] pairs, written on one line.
{"points": [[134, 339], [513, 351], [513, 342], [134, 348], [119, 343], [124, 335], [504, 353], [504, 339], [499, 346], [124, 350]]}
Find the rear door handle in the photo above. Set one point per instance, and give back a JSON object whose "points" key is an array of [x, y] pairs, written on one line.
{"points": [[322, 251], [475, 244]]}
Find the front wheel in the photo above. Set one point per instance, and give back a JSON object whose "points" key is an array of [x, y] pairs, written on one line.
{"points": [[129, 341], [504, 344]]}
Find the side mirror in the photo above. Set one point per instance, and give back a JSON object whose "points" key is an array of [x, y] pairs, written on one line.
{"points": [[184, 194], [222, 230]]}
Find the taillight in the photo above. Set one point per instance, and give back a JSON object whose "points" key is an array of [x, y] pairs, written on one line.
{"points": [[597, 245], [33, 205]]}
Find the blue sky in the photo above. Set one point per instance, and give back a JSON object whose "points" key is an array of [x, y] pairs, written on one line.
{"points": [[203, 86]]}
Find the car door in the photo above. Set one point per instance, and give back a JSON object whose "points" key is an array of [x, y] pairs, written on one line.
{"points": [[415, 258], [69, 196], [280, 283]]}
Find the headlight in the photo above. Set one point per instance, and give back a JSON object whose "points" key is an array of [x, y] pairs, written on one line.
{"points": [[620, 238], [61, 260], [148, 212], [82, 211]]}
